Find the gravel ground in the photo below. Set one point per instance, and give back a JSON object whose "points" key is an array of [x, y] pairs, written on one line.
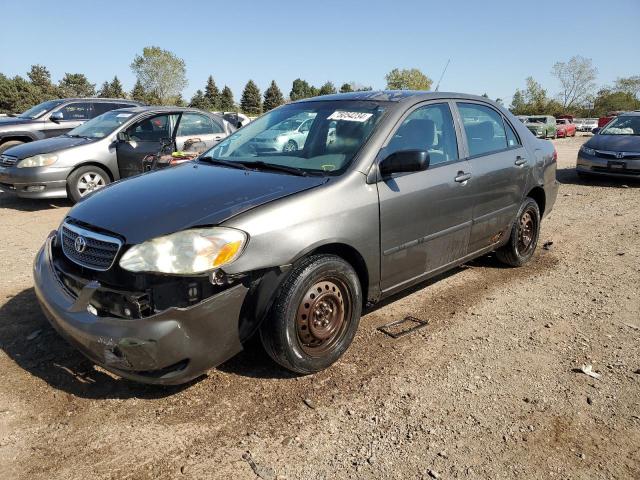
{"points": [[492, 388]]}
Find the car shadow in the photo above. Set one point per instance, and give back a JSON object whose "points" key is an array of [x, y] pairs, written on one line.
{"points": [[12, 201], [569, 176], [29, 340]]}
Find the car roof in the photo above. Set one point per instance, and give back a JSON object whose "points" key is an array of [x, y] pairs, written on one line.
{"points": [[163, 109], [635, 113], [99, 99], [397, 96]]}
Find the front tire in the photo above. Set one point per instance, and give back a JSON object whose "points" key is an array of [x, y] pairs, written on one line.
{"points": [[85, 180], [524, 236], [315, 316], [290, 146]]}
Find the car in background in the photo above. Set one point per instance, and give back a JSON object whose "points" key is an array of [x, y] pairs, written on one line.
{"points": [[287, 136], [602, 121], [53, 118], [614, 150], [542, 126], [237, 119], [565, 128], [163, 276], [587, 124], [107, 148]]}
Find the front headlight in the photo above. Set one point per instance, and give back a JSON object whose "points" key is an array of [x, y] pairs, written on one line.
{"points": [[587, 150], [188, 252], [37, 161]]}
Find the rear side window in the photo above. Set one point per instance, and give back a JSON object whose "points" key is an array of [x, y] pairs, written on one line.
{"points": [[484, 129], [76, 111], [512, 138], [193, 124], [428, 128], [103, 107]]}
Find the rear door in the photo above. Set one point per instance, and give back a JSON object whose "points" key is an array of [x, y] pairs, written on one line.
{"points": [[198, 128], [144, 138], [499, 164], [74, 114], [425, 217]]}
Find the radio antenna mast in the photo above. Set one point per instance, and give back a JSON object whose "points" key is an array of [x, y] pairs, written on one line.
{"points": [[443, 71]]}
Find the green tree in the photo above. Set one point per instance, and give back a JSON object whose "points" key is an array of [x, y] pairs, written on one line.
{"points": [[198, 100], [41, 79], [630, 85], [76, 85], [485, 95], [105, 90], [577, 80], [346, 88], [301, 89], [407, 79], [327, 89], [272, 97], [535, 97], [138, 93], [17, 94], [227, 103], [161, 73], [251, 101], [611, 101], [518, 104], [117, 91], [211, 95]]}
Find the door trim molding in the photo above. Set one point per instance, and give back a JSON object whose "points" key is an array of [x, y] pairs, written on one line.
{"points": [[427, 238]]}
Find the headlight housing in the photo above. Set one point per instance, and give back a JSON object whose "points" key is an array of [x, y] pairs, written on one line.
{"points": [[38, 161], [188, 252], [588, 151]]}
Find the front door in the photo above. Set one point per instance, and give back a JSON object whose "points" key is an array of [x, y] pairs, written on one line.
{"points": [[144, 138], [425, 217], [499, 164], [73, 115]]}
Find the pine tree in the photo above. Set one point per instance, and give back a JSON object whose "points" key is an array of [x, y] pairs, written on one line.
{"points": [[198, 100], [138, 93], [301, 89], [327, 89], [272, 97], [227, 103], [346, 88], [212, 94], [115, 88], [251, 102], [105, 90]]}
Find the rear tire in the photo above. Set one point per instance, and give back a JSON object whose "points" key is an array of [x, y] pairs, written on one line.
{"points": [[9, 144], [84, 180], [290, 146], [524, 236], [315, 316]]}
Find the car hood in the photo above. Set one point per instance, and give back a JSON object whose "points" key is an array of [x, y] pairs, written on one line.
{"points": [[189, 195], [48, 145], [615, 143], [273, 134], [9, 121]]}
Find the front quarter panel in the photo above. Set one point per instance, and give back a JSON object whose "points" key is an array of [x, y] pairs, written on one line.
{"points": [[343, 211]]}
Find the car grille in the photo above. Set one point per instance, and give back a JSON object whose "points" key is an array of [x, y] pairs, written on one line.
{"points": [[95, 250], [614, 155], [7, 160]]}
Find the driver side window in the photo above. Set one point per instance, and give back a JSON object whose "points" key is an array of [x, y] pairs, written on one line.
{"points": [[152, 129], [428, 128]]}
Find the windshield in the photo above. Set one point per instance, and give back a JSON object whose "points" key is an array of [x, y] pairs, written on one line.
{"points": [[623, 125], [537, 120], [40, 109], [311, 137], [102, 125]]}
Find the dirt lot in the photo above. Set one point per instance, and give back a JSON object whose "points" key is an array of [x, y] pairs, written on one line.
{"points": [[490, 389]]}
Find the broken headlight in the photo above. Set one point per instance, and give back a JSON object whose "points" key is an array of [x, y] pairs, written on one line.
{"points": [[185, 253]]}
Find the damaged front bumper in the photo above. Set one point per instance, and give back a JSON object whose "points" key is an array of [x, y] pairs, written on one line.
{"points": [[167, 348]]}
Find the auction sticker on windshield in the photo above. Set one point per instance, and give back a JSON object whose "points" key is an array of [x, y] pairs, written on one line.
{"points": [[124, 115], [350, 116]]}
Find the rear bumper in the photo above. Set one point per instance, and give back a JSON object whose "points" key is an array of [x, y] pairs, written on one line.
{"points": [[618, 168], [38, 182], [167, 348]]}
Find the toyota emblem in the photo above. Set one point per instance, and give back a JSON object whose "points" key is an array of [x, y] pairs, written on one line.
{"points": [[80, 244]]}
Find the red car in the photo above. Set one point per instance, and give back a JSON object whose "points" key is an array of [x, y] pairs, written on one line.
{"points": [[565, 127], [602, 121]]}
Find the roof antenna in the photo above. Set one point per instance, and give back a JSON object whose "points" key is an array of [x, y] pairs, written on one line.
{"points": [[443, 71]]}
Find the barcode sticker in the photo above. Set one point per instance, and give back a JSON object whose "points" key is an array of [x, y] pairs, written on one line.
{"points": [[350, 116]]}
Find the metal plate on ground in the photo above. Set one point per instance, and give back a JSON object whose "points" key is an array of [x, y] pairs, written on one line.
{"points": [[401, 328]]}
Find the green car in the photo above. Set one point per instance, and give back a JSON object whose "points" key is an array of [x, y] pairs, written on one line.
{"points": [[542, 126]]}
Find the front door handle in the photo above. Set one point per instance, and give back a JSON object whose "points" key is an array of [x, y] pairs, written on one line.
{"points": [[462, 177], [520, 161]]}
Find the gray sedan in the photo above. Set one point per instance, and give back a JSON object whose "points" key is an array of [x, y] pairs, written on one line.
{"points": [[108, 148], [168, 274]]}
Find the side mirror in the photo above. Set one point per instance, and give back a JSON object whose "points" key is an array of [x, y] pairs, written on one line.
{"points": [[405, 161], [122, 137], [596, 130], [56, 116]]}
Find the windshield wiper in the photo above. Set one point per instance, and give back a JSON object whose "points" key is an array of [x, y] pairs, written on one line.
{"points": [[260, 165], [224, 163]]}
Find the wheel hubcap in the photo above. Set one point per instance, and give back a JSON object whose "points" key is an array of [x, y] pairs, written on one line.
{"points": [[322, 315], [89, 182]]}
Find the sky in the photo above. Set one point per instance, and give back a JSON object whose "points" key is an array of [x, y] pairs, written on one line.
{"points": [[493, 45]]}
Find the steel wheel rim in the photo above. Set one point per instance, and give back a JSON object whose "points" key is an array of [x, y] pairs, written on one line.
{"points": [[323, 316], [89, 182], [290, 146], [526, 231]]}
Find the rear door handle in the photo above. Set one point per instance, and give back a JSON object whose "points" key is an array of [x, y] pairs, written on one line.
{"points": [[520, 161], [462, 177]]}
